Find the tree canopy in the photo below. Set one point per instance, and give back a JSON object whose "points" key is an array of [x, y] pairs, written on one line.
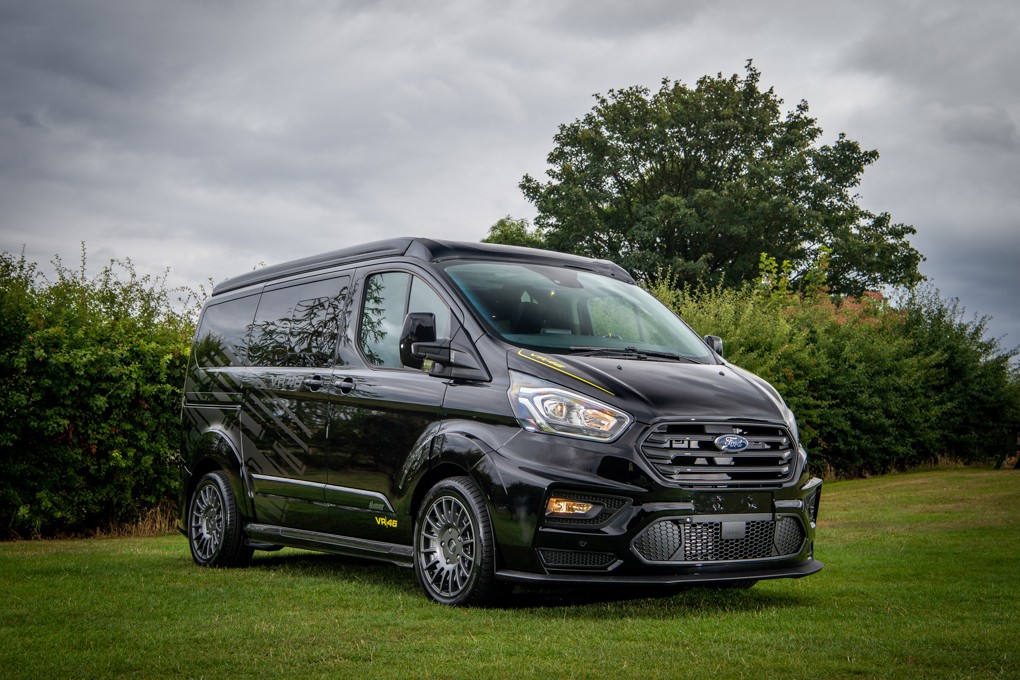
{"points": [[514, 232], [701, 181]]}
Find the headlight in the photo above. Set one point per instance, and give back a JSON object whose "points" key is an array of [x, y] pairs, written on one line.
{"points": [[542, 406], [791, 420]]}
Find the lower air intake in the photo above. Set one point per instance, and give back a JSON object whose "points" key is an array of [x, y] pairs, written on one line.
{"points": [[576, 559], [674, 541]]}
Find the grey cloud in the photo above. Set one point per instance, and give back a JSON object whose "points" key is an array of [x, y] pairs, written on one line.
{"points": [[210, 136], [29, 120], [948, 50], [979, 268], [983, 126], [613, 21]]}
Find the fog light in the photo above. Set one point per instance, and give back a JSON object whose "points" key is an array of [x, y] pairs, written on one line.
{"points": [[567, 507]]}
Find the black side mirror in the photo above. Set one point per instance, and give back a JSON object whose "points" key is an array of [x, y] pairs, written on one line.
{"points": [[715, 342], [418, 327]]}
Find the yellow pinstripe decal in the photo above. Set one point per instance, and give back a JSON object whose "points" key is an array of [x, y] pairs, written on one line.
{"points": [[557, 366]]}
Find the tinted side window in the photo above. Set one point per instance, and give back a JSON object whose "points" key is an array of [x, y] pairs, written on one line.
{"points": [[222, 336], [299, 325], [388, 298]]}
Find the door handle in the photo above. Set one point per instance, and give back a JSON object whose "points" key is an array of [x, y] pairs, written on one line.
{"points": [[346, 385], [314, 383]]}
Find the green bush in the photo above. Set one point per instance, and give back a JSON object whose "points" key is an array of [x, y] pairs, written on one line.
{"points": [[92, 373], [876, 387], [977, 389]]}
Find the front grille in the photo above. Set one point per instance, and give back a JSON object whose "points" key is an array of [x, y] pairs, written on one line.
{"points": [[677, 541], [685, 454], [576, 559]]}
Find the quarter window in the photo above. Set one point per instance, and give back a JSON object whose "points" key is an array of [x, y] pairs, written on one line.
{"points": [[222, 337]]}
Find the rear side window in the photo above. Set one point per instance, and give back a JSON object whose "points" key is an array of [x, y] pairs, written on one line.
{"points": [[299, 326], [222, 336]]}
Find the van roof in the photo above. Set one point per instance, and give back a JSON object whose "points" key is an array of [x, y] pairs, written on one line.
{"points": [[425, 250]]}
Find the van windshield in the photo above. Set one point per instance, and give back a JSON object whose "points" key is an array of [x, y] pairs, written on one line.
{"points": [[569, 311]]}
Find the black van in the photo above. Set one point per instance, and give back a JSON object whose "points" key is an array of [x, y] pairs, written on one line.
{"points": [[489, 415]]}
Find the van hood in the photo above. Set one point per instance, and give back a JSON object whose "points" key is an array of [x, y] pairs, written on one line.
{"points": [[651, 389]]}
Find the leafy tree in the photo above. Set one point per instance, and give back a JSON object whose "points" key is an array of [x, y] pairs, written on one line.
{"points": [[512, 232], [700, 181]]}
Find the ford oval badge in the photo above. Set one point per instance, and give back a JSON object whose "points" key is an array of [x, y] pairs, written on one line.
{"points": [[731, 443]]}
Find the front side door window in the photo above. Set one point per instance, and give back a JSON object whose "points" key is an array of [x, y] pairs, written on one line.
{"points": [[389, 296]]}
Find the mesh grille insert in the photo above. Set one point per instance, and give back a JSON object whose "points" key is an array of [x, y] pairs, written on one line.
{"points": [[576, 559], [673, 540]]}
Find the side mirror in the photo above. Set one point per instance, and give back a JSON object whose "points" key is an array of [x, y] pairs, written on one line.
{"points": [[449, 362], [418, 327], [715, 342]]}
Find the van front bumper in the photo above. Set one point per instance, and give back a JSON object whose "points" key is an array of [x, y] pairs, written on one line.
{"points": [[642, 531], [706, 577]]}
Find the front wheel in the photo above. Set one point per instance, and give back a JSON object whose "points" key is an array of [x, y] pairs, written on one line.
{"points": [[454, 556], [214, 526]]}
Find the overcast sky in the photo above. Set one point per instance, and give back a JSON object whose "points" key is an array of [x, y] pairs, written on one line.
{"points": [[209, 136]]}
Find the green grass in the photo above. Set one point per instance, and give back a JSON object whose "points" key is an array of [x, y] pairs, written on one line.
{"points": [[921, 580]]}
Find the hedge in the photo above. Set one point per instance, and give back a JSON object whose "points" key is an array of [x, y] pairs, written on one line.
{"points": [[92, 371]]}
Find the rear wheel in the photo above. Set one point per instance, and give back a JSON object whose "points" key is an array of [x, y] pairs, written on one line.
{"points": [[454, 556], [214, 527]]}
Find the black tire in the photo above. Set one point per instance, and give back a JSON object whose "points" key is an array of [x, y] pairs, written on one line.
{"points": [[214, 526], [454, 555]]}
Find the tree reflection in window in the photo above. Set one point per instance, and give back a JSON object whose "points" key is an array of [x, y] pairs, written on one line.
{"points": [[299, 326], [222, 337], [382, 317], [388, 298]]}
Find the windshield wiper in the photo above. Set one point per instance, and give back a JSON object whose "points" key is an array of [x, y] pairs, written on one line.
{"points": [[631, 353]]}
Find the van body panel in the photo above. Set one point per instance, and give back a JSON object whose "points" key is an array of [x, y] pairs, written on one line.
{"points": [[563, 390], [378, 427], [651, 389], [285, 444]]}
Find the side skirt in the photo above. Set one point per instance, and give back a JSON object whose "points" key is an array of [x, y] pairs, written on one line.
{"points": [[401, 555]]}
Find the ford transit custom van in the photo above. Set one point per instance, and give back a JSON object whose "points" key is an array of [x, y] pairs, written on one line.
{"points": [[486, 415]]}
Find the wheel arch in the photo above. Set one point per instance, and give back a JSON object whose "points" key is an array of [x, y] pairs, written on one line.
{"points": [[461, 454], [216, 449], [455, 454]]}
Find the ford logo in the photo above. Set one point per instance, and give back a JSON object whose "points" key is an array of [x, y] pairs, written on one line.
{"points": [[730, 442]]}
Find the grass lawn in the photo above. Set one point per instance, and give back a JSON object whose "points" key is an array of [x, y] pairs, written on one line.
{"points": [[922, 579]]}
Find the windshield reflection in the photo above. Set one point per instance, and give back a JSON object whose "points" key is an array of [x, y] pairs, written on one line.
{"points": [[564, 310]]}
